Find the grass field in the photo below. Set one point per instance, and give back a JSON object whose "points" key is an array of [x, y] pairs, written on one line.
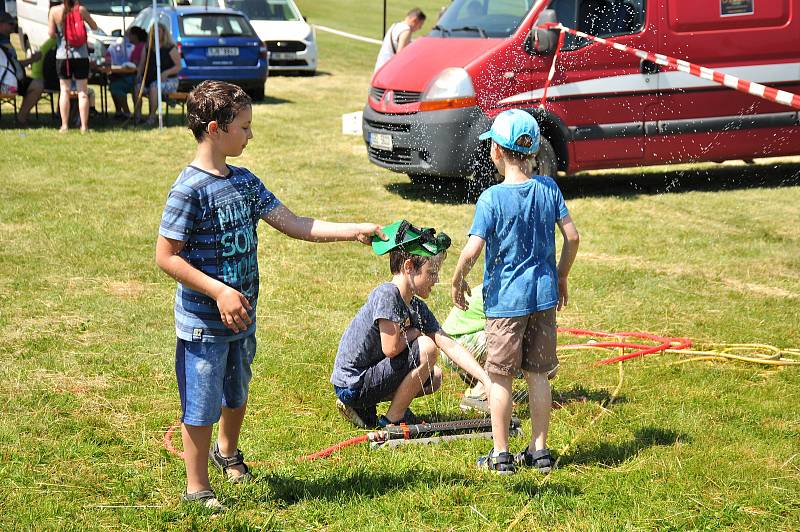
{"points": [[86, 337]]}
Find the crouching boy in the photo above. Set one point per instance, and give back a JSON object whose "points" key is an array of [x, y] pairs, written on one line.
{"points": [[389, 350]]}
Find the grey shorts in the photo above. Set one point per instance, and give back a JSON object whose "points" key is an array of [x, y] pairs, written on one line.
{"points": [[524, 342]]}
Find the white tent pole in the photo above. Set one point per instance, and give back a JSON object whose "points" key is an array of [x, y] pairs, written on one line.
{"points": [[158, 62]]}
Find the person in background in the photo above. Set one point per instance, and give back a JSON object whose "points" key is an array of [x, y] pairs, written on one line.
{"points": [[72, 61], [170, 66], [12, 70], [399, 36], [123, 84]]}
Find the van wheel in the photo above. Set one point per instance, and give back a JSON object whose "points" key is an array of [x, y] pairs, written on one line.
{"points": [[546, 161]]}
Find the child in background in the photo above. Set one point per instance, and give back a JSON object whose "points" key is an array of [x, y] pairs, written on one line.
{"points": [[522, 286]]}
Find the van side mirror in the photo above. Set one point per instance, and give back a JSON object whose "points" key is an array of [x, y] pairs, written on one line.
{"points": [[542, 42], [117, 33]]}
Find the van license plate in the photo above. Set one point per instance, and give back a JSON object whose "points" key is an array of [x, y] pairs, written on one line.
{"points": [[223, 51], [282, 55], [380, 141]]}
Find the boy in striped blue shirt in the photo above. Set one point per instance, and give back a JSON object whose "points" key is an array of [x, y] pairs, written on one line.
{"points": [[207, 242]]}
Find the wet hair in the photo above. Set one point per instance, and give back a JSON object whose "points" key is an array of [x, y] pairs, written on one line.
{"points": [[416, 13], [140, 34], [214, 101], [398, 257], [523, 141], [69, 4]]}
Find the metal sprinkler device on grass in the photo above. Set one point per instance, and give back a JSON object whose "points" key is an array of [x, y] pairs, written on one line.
{"points": [[395, 435]]}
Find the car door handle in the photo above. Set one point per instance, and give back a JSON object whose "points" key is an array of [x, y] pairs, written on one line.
{"points": [[648, 67]]}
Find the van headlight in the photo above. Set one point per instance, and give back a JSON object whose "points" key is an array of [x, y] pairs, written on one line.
{"points": [[450, 89]]}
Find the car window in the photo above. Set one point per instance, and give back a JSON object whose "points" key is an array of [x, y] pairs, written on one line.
{"points": [[215, 25], [264, 9], [601, 18], [144, 20]]}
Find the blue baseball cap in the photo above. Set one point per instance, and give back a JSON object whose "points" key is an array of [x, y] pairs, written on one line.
{"points": [[509, 126]]}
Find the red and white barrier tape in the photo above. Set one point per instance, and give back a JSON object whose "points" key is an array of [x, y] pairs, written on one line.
{"points": [[742, 85]]}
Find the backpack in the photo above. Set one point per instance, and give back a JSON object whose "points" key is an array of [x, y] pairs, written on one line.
{"points": [[74, 28]]}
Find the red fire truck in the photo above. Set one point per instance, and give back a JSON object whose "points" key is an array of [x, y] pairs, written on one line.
{"points": [[604, 108]]}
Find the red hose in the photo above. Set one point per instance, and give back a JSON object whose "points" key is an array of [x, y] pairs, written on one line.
{"points": [[664, 343], [330, 450], [168, 441]]}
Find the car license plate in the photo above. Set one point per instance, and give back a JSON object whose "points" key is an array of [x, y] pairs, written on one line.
{"points": [[223, 51], [380, 141], [282, 55]]}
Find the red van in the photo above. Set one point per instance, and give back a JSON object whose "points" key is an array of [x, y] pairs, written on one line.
{"points": [[604, 108]]}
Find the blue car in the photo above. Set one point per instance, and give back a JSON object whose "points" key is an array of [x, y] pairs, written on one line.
{"points": [[214, 43]]}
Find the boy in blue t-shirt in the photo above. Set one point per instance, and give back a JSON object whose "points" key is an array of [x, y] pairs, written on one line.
{"points": [[208, 242], [522, 287]]}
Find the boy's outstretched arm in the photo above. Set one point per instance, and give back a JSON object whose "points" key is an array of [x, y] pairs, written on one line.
{"points": [[568, 253], [232, 304], [305, 228], [461, 357], [470, 253]]}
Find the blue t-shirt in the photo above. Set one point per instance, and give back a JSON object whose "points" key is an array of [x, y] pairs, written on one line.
{"points": [[360, 347], [518, 222], [216, 217]]}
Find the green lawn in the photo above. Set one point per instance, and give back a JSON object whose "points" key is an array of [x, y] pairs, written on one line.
{"points": [[86, 334]]}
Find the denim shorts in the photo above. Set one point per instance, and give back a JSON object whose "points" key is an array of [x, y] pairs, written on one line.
{"points": [[212, 375], [381, 380]]}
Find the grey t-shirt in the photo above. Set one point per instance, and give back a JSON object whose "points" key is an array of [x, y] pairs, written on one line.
{"points": [[360, 347]]}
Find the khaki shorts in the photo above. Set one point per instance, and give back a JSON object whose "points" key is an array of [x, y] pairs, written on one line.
{"points": [[526, 342]]}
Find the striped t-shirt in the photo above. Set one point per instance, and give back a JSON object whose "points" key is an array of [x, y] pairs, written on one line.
{"points": [[216, 217]]}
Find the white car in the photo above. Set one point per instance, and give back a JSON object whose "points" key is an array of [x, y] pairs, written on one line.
{"points": [[291, 41]]}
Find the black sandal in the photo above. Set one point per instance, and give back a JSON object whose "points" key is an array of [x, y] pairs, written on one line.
{"points": [[223, 463], [502, 464], [541, 459], [205, 498]]}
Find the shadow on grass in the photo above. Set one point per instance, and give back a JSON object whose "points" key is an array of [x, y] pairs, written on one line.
{"points": [[716, 178], [582, 394], [617, 183], [272, 100], [614, 454], [289, 490], [298, 73]]}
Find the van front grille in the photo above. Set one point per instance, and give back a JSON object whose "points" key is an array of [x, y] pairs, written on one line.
{"points": [[398, 97], [387, 126], [396, 156]]}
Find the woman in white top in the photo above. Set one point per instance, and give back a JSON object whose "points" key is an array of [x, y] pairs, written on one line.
{"points": [[399, 36]]}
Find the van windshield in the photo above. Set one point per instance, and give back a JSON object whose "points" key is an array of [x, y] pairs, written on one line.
{"points": [[120, 7], [482, 18]]}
